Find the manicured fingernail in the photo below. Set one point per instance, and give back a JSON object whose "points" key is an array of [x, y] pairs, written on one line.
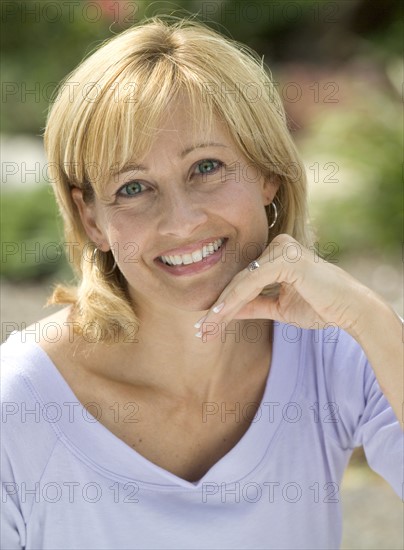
{"points": [[199, 334], [218, 308], [198, 324]]}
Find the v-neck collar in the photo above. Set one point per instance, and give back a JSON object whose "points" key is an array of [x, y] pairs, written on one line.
{"points": [[94, 444]]}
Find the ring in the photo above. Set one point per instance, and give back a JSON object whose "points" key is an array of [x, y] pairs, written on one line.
{"points": [[253, 265]]}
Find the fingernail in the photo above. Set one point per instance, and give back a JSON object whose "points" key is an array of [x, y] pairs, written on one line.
{"points": [[199, 334], [218, 308], [198, 324]]}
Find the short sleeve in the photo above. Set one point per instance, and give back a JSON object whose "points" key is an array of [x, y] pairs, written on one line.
{"points": [[365, 415], [380, 434], [26, 443]]}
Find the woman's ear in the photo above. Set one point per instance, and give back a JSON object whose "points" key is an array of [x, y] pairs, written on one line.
{"points": [[269, 189], [88, 216]]}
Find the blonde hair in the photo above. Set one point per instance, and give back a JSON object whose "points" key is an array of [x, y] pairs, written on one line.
{"points": [[107, 110]]}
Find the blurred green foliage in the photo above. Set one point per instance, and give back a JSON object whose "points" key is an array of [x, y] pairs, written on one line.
{"points": [[31, 235], [365, 213], [43, 41]]}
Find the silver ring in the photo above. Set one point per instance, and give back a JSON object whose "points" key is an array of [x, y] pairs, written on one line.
{"points": [[253, 265]]}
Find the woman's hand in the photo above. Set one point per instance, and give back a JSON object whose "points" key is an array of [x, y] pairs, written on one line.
{"points": [[313, 293]]}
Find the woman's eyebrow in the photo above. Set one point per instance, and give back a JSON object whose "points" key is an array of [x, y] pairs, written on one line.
{"points": [[131, 167], [200, 146]]}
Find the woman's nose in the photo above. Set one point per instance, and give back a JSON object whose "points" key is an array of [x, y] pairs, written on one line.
{"points": [[180, 214]]}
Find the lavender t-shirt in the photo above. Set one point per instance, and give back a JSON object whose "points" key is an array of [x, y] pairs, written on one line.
{"points": [[69, 483]]}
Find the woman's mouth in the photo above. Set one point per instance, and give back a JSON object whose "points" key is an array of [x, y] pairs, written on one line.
{"points": [[196, 261], [194, 257]]}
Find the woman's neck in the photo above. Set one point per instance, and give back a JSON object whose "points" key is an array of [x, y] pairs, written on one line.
{"points": [[168, 353], [166, 356]]}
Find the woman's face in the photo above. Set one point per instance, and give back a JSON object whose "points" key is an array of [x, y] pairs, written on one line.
{"points": [[192, 201]]}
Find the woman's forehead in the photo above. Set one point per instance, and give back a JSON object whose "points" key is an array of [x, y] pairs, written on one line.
{"points": [[181, 123], [179, 128]]}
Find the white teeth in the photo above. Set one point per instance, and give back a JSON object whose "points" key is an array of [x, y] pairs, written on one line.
{"points": [[187, 259], [195, 257]]}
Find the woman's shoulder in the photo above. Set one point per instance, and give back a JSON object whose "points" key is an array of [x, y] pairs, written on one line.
{"points": [[30, 389], [330, 361], [49, 361], [330, 346], [53, 334], [26, 353], [51, 328]]}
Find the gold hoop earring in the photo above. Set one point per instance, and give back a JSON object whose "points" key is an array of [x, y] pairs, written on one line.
{"points": [[275, 215], [94, 260]]}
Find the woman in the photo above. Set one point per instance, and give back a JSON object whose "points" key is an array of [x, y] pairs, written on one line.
{"points": [[211, 375]]}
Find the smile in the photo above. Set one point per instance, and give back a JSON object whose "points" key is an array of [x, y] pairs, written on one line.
{"points": [[195, 257]]}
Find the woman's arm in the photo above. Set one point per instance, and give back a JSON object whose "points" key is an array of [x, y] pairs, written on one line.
{"points": [[314, 292], [379, 331]]}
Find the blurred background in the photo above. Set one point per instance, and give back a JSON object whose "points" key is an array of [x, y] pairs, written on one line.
{"points": [[339, 70]]}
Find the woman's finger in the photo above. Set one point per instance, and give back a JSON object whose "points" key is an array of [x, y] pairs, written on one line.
{"points": [[243, 290]]}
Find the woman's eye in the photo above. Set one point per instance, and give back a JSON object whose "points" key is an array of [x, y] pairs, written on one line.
{"points": [[207, 166], [131, 188]]}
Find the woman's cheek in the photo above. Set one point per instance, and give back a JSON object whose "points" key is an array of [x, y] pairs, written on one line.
{"points": [[124, 236]]}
